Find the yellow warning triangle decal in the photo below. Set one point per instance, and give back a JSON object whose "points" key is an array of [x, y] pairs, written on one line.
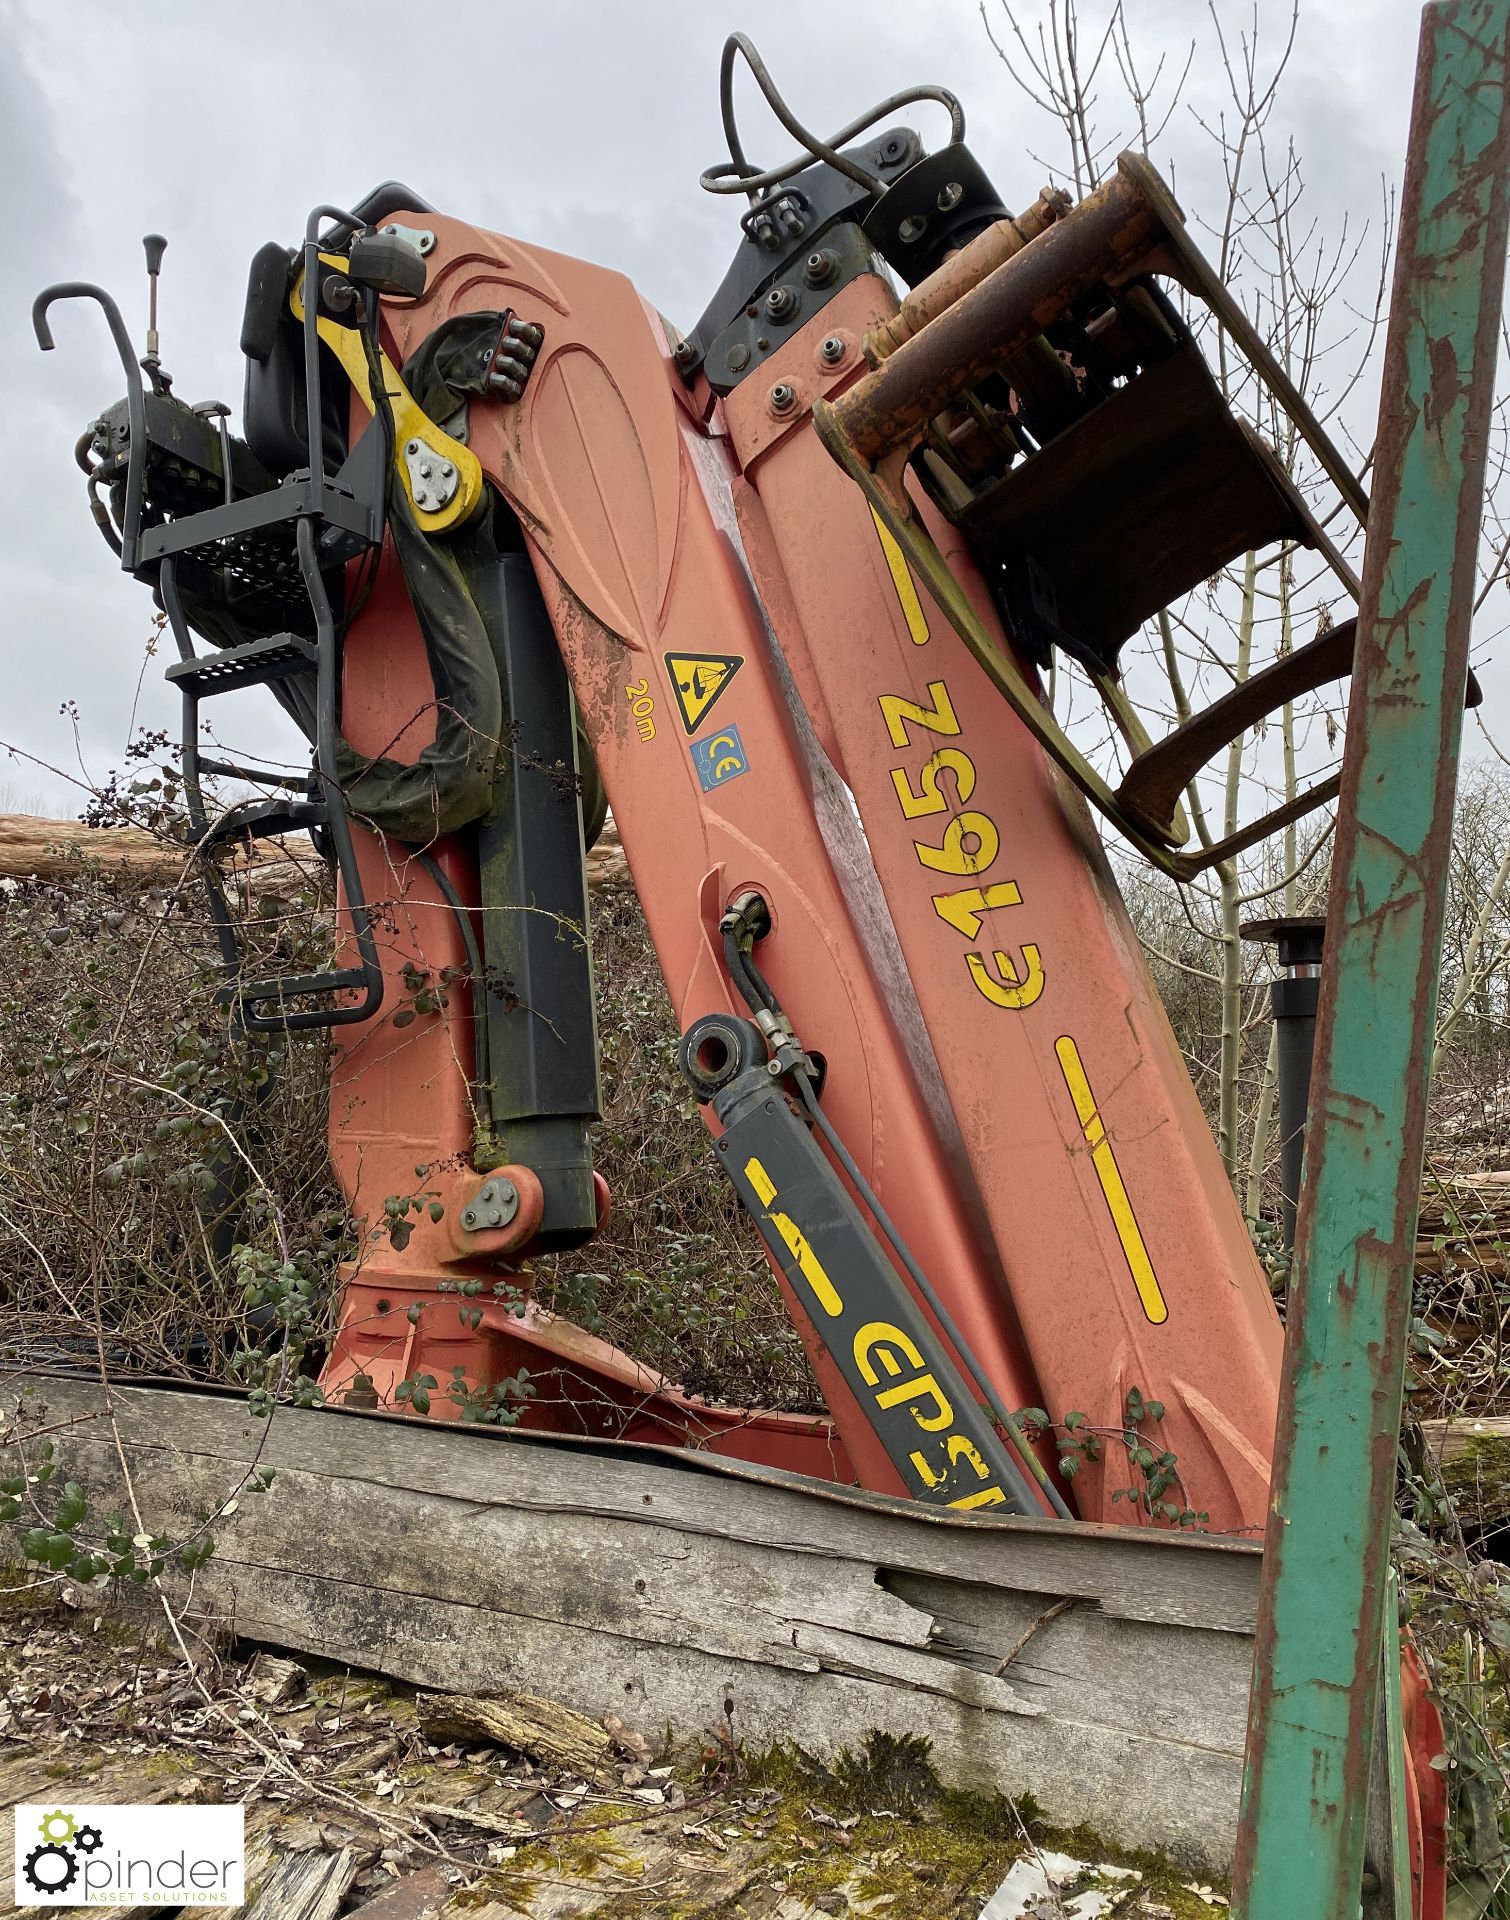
{"points": [[697, 680]]}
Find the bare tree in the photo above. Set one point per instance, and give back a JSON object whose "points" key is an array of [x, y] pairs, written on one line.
{"points": [[1318, 299]]}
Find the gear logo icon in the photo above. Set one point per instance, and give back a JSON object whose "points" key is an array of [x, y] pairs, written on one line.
{"points": [[51, 1868], [89, 1840], [50, 1823]]}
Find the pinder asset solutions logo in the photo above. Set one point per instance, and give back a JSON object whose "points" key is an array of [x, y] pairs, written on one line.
{"points": [[130, 1856]]}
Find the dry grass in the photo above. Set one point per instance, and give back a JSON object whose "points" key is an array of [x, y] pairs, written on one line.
{"points": [[122, 1082]]}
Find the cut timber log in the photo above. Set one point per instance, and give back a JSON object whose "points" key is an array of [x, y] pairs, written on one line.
{"points": [[521, 1721], [33, 847], [1449, 1440], [657, 1586], [1473, 1457]]}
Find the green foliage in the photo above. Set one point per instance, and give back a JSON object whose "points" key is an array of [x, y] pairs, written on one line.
{"points": [[499, 1405], [1080, 1444], [165, 1174], [1456, 1605]]}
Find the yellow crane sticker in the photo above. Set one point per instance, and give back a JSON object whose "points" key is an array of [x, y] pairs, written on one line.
{"points": [[698, 681], [1104, 1160]]}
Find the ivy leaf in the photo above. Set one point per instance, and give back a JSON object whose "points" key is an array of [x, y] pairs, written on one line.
{"points": [[71, 1508]]}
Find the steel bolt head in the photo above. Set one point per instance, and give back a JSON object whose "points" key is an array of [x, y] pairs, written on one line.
{"points": [[739, 357], [912, 228], [832, 350], [413, 447], [950, 197], [820, 267], [780, 303], [783, 397]]}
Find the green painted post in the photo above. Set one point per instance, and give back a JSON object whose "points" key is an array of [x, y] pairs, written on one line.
{"points": [[1321, 1616]]}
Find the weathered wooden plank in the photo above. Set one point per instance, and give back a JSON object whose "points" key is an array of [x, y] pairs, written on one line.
{"points": [[1137, 1789], [1136, 1573], [264, 1828], [624, 1581], [45, 1779], [418, 1896], [654, 1587], [305, 1886]]}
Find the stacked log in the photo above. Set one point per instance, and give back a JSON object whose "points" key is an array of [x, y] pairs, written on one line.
{"points": [[33, 847], [1464, 1222]]}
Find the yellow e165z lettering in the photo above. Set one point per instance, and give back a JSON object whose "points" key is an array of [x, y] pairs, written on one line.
{"points": [[968, 848]]}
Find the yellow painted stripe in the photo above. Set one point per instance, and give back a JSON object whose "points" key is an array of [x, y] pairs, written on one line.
{"points": [[901, 577], [1108, 1173], [808, 1263], [760, 1180]]}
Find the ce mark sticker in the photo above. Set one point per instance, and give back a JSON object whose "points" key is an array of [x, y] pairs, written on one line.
{"points": [[719, 758]]}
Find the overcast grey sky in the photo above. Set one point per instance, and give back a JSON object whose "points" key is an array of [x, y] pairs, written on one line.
{"points": [[578, 124]]}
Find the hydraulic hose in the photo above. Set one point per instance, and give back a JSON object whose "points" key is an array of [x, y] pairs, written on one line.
{"points": [[757, 994]]}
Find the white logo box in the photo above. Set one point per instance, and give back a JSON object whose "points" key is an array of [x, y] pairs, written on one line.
{"points": [[68, 1855]]}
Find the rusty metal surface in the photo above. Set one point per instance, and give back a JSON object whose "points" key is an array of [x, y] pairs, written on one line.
{"points": [[964, 270], [1137, 503], [1110, 233], [1317, 1665], [1156, 779], [1129, 227]]}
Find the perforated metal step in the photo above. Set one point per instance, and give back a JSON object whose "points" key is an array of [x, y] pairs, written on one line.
{"points": [[274, 657]]}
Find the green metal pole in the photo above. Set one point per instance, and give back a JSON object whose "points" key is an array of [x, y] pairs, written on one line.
{"points": [[1321, 1613]]}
